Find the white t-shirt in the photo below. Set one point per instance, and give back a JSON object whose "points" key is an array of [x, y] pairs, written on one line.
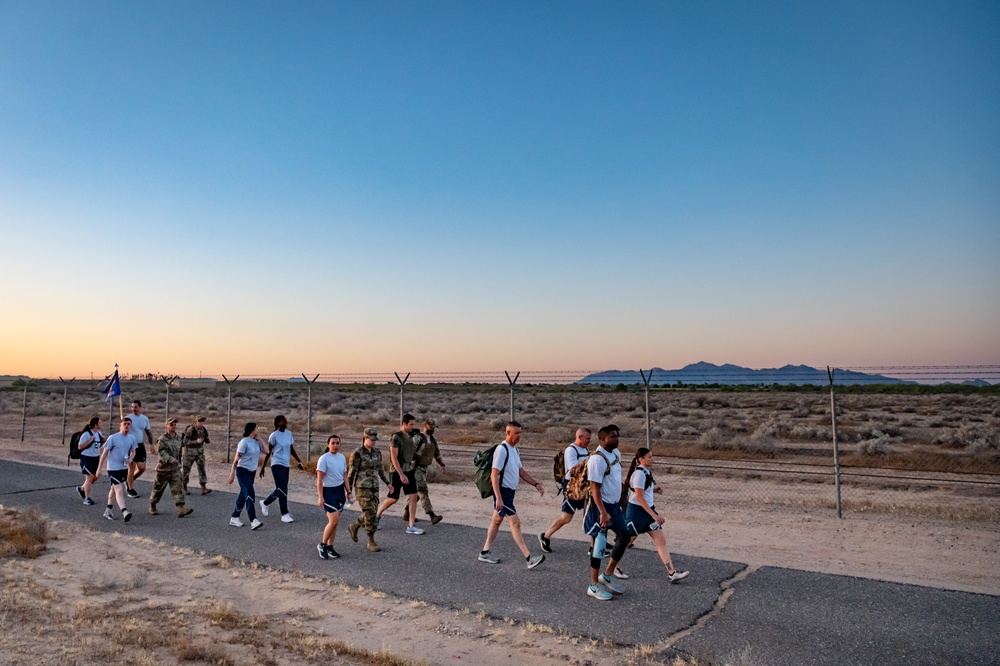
{"points": [[249, 450], [638, 480], [573, 455], [94, 449], [281, 451], [119, 447], [511, 475], [334, 468], [140, 424], [611, 484]]}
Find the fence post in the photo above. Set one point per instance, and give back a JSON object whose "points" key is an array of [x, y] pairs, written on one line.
{"points": [[168, 382], [402, 384], [309, 416], [836, 447], [24, 407], [645, 381], [229, 416], [65, 392], [512, 382]]}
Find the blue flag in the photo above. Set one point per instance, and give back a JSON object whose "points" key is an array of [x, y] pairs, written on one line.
{"points": [[113, 388]]}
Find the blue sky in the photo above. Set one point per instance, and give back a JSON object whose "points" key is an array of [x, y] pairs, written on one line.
{"points": [[464, 186]]}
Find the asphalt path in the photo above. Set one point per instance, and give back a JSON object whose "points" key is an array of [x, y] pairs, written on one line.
{"points": [[784, 616]]}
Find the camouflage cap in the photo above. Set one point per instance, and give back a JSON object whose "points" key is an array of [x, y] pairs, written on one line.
{"points": [[429, 422], [169, 421], [372, 434], [199, 418]]}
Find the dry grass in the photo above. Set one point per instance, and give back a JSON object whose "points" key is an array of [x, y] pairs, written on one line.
{"points": [[22, 533]]}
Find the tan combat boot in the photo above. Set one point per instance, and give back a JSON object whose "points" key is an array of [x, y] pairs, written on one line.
{"points": [[183, 511], [372, 546], [204, 489], [153, 511], [353, 529]]}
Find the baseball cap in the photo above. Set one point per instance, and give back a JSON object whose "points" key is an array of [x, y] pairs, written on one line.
{"points": [[372, 434], [169, 421]]}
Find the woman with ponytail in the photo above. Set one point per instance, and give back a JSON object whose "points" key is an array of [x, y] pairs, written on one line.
{"points": [[641, 516]]}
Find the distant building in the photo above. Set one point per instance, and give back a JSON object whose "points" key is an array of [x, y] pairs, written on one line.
{"points": [[6, 381]]}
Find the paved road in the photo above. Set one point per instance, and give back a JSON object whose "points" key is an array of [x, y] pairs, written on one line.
{"points": [[785, 616]]}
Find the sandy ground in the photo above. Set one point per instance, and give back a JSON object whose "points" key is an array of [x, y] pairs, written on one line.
{"points": [[924, 551]]}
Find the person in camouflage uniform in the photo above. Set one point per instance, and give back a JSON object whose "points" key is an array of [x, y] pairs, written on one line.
{"points": [[427, 453], [168, 473], [195, 439], [365, 470]]}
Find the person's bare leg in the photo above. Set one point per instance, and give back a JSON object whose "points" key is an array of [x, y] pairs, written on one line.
{"points": [[330, 531], [563, 520], [492, 530], [515, 530], [386, 503], [411, 504], [661, 547]]}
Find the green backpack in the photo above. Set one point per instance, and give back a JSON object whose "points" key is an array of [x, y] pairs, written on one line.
{"points": [[483, 461]]}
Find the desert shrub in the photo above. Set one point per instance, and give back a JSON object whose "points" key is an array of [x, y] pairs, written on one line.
{"points": [[22, 533], [713, 440], [687, 430], [877, 445], [446, 420], [772, 427], [756, 444], [818, 433], [382, 415]]}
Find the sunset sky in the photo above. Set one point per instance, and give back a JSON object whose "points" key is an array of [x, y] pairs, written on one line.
{"points": [[258, 187]]}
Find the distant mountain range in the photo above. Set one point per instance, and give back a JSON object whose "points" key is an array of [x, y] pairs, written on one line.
{"points": [[709, 373]]}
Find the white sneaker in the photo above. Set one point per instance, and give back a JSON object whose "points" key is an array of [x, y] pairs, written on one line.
{"points": [[287, 518], [236, 522], [612, 584], [620, 574], [413, 529], [255, 524], [678, 575], [263, 508]]}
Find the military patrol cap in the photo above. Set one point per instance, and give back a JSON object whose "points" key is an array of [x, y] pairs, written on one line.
{"points": [[169, 421], [429, 422], [372, 434], [199, 418]]}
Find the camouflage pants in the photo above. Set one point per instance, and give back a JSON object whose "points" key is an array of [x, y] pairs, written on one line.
{"points": [[191, 456], [166, 478], [368, 503], [420, 474]]}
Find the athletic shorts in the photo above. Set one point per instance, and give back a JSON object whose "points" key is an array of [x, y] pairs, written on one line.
{"points": [[592, 521], [639, 521], [117, 476], [88, 464], [334, 498], [571, 506], [140, 454], [397, 485], [507, 495]]}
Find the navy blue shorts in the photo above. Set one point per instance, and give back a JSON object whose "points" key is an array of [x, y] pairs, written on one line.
{"points": [[88, 464], [639, 521], [592, 521], [117, 476], [571, 506], [334, 498], [507, 495]]}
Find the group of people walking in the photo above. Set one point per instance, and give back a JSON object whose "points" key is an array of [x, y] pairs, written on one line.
{"points": [[612, 502]]}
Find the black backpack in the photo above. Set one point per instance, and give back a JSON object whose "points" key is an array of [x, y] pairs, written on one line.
{"points": [[74, 444]]}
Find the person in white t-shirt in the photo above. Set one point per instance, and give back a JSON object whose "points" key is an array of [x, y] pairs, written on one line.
{"points": [[89, 446], [640, 514], [142, 434], [507, 473], [245, 468], [280, 451], [576, 452], [331, 470], [604, 472], [118, 452]]}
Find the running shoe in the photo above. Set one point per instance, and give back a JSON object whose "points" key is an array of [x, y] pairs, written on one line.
{"points": [[254, 524], [612, 584], [126, 515], [83, 495], [322, 551], [88, 502], [334, 555], [109, 515], [620, 574], [678, 575], [545, 543], [263, 508], [489, 558], [132, 492], [598, 593], [236, 522], [535, 560], [413, 529], [287, 518]]}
